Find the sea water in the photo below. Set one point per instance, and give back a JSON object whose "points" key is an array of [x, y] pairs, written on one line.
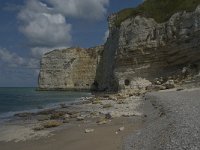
{"points": [[14, 100]]}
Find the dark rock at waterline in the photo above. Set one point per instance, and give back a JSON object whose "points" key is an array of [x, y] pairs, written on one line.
{"points": [[23, 115], [57, 115]]}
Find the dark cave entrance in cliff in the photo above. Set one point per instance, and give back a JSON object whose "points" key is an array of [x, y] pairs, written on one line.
{"points": [[127, 82]]}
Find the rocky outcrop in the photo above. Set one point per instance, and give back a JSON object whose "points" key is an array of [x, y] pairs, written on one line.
{"points": [[69, 69], [143, 48]]}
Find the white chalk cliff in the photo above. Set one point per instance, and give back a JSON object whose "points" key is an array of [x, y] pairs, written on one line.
{"points": [[139, 48]]}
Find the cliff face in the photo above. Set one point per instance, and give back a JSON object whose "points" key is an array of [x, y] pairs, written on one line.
{"points": [[71, 69], [138, 49], [143, 48]]}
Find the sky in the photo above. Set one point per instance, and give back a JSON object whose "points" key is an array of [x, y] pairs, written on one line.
{"points": [[30, 28]]}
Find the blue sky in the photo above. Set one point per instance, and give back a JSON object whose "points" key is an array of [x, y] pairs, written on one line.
{"points": [[29, 28]]}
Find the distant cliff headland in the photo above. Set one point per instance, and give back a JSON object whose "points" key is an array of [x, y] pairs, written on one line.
{"points": [[156, 43]]}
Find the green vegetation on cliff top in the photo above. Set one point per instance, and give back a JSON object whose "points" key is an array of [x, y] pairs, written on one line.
{"points": [[160, 10]]}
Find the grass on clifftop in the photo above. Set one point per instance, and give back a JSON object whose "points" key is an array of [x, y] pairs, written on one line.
{"points": [[160, 10]]}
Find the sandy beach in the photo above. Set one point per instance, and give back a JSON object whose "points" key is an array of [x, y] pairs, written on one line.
{"points": [[162, 115], [109, 120], [104, 137], [100, 122]]}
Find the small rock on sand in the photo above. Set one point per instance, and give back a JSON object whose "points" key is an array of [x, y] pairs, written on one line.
{"points": [[102, 121], [108, 116], [52, 124], [39, 128], [179, 89], [63, 106], [66, 116], [107, 106], [89, 130], [80, 118], [121, 129], [169, 84], [66, 121]]}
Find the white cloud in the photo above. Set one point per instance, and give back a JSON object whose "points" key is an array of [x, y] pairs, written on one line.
{"points": [[44, 21], [86, 9], [44, 28], [106, 36], [12, 59], [39, 51], [33, 63], [44, 24], [48, 30]]}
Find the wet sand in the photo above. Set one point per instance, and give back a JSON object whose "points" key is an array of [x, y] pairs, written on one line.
{"points": [[73, 137]]}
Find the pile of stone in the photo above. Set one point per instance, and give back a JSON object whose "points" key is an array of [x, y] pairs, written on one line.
{"points": [[100, 110], [159, 84]]}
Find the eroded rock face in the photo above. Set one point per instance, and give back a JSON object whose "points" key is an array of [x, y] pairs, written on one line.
{"points": [[135, 53], [142, 48], [69, 69]]}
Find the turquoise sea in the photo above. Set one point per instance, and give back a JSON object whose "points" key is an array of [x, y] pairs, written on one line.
{"points": [[13, 100]]}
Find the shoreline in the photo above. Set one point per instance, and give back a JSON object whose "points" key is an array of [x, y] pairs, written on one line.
{"points": [[109, 118], [9, 115]]}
